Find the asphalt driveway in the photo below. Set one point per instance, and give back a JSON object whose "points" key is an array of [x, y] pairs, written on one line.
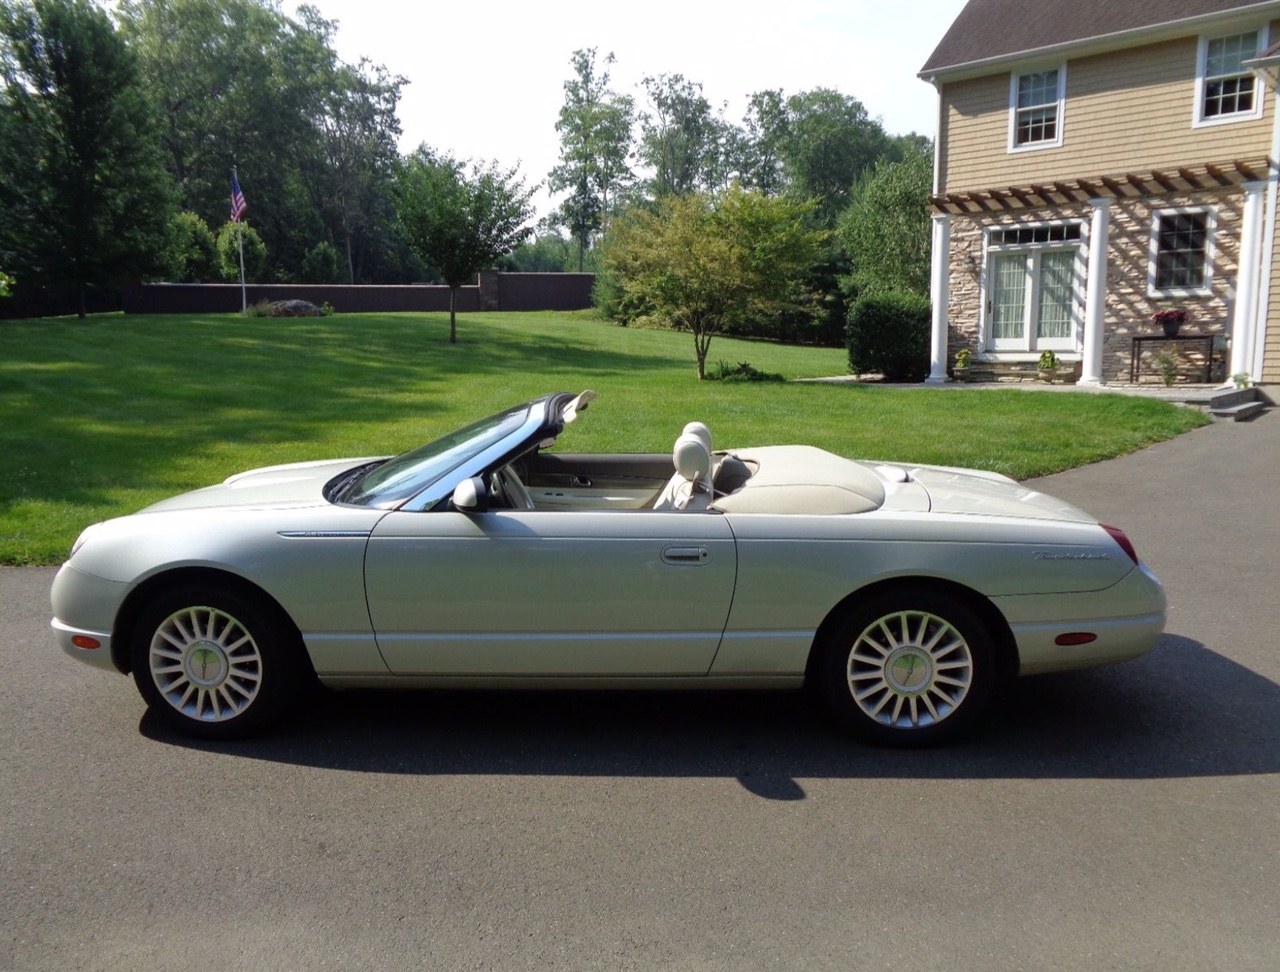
{"points": [[1119, 819]]}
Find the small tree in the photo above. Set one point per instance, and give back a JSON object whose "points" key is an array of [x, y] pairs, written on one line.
{"points": [[705, 264], [320, 265], [193, 251], [255, 252], [6, 283], [460, 223]]}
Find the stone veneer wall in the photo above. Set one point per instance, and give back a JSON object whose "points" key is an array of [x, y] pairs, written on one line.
{"points": [[1128, 309]]}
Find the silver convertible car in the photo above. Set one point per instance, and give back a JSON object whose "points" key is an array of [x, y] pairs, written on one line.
{"points": [[904, 595]]}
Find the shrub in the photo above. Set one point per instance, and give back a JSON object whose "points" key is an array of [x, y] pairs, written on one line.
{"points": [[889, 334], [320, 264], [193, 252], [742, 371], [255, 252]]}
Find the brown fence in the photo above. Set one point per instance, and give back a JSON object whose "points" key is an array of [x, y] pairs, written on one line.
{"points": [[495, 291]]}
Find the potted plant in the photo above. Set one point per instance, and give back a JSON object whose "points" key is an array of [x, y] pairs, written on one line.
{"points": [[1047, 367], [1170, 319], [1167, 365], [964, 358]]}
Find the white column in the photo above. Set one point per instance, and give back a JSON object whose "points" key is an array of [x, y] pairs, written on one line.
{"points": [[1095, 295], [1244, 324], [940, 294]]}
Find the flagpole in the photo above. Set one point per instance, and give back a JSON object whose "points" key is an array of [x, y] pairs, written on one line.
{"points": [[237, 209]]}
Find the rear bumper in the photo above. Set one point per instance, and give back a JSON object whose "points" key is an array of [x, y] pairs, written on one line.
{"points": [[1127, 619]]}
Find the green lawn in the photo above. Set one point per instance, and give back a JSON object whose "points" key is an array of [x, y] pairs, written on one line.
{"points": [[101, 417]]}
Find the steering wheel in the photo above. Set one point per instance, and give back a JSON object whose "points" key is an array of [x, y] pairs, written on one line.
{"points": [[509, 488]]}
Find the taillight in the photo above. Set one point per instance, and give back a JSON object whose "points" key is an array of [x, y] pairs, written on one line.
{"points": [[1119, 537]]}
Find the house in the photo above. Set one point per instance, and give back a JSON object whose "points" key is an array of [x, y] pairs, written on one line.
{"points": [[1100, 160]]}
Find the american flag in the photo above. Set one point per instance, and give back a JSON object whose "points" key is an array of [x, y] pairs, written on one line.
{"points": [[238, 205]]}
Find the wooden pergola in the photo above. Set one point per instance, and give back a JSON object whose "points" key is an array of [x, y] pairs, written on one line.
{"points": [[1131, 185]]}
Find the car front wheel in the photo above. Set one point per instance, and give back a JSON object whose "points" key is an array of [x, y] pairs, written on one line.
{"points": [[912, 667], [214, 663]]}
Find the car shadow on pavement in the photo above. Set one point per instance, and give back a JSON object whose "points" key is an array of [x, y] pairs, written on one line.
{"points": [[1182, 711]]}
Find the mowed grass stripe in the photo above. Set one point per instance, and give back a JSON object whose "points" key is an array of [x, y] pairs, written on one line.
{"points": [[102, 417]]}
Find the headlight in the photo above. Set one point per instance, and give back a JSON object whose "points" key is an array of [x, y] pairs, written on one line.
{"points": [[75, 547]]}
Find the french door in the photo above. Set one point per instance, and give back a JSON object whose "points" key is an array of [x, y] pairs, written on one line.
{"points": [[1032, 304]]}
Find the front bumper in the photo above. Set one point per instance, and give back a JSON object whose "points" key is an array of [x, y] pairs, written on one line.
{"points": [[85, 606]]}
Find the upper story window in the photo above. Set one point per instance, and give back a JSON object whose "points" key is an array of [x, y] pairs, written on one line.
{"points": [[1035, 109], [1228, 91], [1181, 252]]}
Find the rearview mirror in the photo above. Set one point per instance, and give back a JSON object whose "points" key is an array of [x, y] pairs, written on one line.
{"points": [[472, 496]]}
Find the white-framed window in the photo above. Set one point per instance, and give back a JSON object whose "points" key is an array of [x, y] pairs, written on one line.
{"points": [[1036, 108], [1181, 262], [1034, 295], [1226, 90]]}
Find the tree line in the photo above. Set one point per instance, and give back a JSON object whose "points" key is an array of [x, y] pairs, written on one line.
{"points": [[118, 136]]}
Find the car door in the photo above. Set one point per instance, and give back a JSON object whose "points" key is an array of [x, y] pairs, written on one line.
{"points": [[546, 592]]}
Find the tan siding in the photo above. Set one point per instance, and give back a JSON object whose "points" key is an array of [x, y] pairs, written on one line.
{"points": [[1125, 112], [1271, 354]]}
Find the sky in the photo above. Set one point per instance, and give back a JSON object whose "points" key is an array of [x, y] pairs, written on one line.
{"points": [[487, 79]]}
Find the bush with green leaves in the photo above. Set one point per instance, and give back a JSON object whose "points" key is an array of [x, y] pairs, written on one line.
{"points": [[320, 265], [193, 252], [888, 334], [742, 371], [6, 284], [255, 253]]}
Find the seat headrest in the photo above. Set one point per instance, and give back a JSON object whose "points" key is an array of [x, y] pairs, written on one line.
{"points": [[701, 431], [692, 458]]}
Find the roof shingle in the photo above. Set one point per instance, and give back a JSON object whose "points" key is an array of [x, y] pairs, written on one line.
{"points": [[988, 29]]}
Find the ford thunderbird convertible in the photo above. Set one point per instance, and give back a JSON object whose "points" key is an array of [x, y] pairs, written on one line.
{"points": [[906, 596]]}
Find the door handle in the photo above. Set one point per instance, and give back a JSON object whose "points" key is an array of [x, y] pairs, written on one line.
{"points": [[685, 556]]}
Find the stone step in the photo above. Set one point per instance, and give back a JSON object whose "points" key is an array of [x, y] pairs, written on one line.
{"points": [[1237, 412]]}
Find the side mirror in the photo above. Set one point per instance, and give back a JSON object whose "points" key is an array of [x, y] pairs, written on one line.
{"points": [[472, 496]]}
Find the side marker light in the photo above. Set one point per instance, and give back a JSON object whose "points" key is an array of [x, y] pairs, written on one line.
{"points": [[1074, 638]]}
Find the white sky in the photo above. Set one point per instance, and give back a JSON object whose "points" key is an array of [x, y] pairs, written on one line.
{"points": [[487, 79]]}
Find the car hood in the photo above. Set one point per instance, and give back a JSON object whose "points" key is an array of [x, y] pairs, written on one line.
{"points": [[970, 491], [293, 485]]}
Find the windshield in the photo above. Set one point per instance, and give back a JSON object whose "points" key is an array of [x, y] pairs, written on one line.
{"points": [[398, 479]]}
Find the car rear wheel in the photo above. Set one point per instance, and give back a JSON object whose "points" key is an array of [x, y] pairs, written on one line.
{"points": [[215, 663], [910, 667]]}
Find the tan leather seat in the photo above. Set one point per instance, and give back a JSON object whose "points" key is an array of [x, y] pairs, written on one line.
{"points": [[690, 487]]}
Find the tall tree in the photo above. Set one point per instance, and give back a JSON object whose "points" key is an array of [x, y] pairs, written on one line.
{"points": [[359, 128], [680, 137], [457, 221], [239, 83], [764, 141], [704, 263], [595, 143], [830, 141], [97, 209], [886, 231]]}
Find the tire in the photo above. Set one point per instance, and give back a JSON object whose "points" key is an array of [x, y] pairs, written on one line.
{"points": [[216, 663], [909, 667]]}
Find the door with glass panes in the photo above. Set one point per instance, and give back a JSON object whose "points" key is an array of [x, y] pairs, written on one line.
{"points": [[1032, 303]]}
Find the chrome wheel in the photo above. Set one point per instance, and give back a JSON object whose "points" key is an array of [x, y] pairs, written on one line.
{"points": [[910, 669], [910, 666], [205, 664]]}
